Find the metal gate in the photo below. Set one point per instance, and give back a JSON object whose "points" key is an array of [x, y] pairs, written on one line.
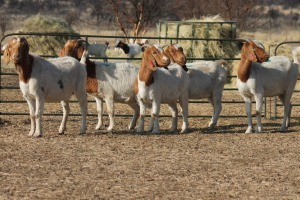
{"points": [[7, 102]]}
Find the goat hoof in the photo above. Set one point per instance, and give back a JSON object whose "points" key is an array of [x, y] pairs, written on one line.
{"points": [[37, 135], [258, 129], [283, 130], [97, 128], [211, 125], [249, 130], [131, 128], [155, 132], [61, 133], [172, 130], [184, 131]]}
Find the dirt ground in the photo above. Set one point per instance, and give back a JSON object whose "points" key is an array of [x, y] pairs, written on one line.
{"points": [[221, 164]]}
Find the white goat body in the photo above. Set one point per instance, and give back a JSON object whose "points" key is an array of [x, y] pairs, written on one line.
{"points": [[207, 80], [57, 78], [275, 77], [168, 85]]}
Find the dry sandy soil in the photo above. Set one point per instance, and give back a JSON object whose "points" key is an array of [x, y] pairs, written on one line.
{"points": [[221, 164]]}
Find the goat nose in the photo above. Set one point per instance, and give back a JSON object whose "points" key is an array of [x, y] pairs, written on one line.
{"points": [[166, 58], [16, 57]]}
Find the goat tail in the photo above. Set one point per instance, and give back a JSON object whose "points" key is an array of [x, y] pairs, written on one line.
{"points": [[226, 66], [84, 56]]}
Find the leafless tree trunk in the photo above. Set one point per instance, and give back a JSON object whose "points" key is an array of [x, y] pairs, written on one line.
{"points": [[138, 16], [3, 24]]}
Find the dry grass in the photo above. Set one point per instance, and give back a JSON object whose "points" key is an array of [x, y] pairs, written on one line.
{"points": [[208, 27], [46, 45]]}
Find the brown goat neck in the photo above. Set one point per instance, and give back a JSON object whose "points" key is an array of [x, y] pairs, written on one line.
{"points": [[146, 74], [244, 68], [24, 68]]}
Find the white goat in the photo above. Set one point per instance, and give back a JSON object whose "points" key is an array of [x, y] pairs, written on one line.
{"points": [[296, 55], [157, 86], [47, 80], [98, 50], [112, 82], [207, 79], [258, 78], [130, 49]]}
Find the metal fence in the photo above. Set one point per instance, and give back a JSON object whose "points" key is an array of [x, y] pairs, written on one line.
{"points": [[6, 103]]}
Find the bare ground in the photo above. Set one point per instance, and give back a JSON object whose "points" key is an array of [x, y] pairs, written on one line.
{"points": [[221, 164]]}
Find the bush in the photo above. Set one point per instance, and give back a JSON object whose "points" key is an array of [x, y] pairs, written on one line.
{"points": [[46, 45]]}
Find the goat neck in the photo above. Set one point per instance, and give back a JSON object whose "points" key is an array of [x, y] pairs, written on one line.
{"points": [[146, 71], [251, 52], [18, 51]]}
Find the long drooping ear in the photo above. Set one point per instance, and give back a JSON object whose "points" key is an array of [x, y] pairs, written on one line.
{"points": [[6, 54], [148, 60], [167, 52], [25, 44]]}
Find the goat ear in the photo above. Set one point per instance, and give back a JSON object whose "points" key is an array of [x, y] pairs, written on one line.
{"points": [[144, 47], [148, 61], [6, 55]]}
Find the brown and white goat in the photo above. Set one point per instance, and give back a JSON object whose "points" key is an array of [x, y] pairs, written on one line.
{"points": [[258, 78], [112, 82], [207, 79], [53, 80], [157, 85]]}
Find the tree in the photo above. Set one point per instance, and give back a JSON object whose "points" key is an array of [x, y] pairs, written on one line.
{"points": [[138, 16], [3, 24]]}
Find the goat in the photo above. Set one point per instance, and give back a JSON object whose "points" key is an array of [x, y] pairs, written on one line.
{"points": [[259, 78], [98, 50], [112, 82], [130, 49], [156, 85], [296, 55], [47, 80], [207, 79]]}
